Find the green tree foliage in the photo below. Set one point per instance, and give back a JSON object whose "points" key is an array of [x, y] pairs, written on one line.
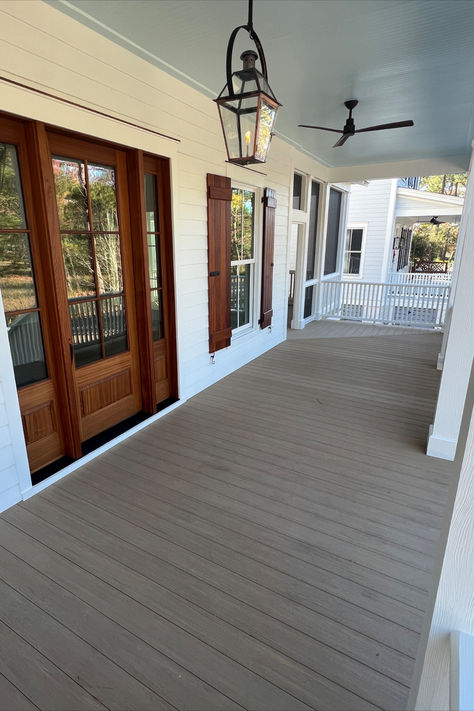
{"points": [[242, 212], [453, 184], [434, 242]]}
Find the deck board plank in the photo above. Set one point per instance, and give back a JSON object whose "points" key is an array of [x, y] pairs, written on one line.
{"points": [[268, 545]]}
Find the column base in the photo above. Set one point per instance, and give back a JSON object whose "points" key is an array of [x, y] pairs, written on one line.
{"points": [[441, 448]]}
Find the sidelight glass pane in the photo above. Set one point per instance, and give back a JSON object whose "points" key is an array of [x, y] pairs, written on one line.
{"points": [[108, 263], [12, 212], [154, 262], [85, 332], [16, 274], [114, 325], [71, 194], [26, 345], [157, 325], [240, 295], [103, 198], [151, 205], [79, 265]]}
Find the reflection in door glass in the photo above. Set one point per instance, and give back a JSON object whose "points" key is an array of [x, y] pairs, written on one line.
{"points": [[103, 198], [26, 346], [16, 273], [12, 213], [71, 194], [154, 256], [86, 196], [17, 281], [78, 263], [85, 332], [114, 325], [109, 263]]}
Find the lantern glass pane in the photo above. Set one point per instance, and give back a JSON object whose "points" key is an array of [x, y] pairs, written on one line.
{"points": [[230, 126], [265, 128]]}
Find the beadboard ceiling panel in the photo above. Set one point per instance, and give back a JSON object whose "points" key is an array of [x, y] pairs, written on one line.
{"points": [[401, 59]]}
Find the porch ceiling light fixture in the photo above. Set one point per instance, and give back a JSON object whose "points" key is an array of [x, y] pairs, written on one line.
{"points": [[247, 105]]}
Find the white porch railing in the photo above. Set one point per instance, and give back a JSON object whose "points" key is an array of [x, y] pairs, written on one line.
{"points": [[420, 278], [422, 305]]}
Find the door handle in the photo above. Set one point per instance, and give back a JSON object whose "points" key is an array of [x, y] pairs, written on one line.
{"points": [[71, 352]]}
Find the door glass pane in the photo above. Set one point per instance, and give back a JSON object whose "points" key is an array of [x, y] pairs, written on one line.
{"points": [[79, 265], [240, 295], [71, 194], [12, 213], [103, 198], [308, 301], [151, 205], [154, 264], [85, 332], [114, 325], [157, 325], [26, 345], [108, 263], [16, 274]]}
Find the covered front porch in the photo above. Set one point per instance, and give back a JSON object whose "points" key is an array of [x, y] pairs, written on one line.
{"points": [[267, 545]]}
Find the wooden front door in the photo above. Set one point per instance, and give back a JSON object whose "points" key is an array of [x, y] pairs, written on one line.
{"points": [[87, 285], [94, 233]]}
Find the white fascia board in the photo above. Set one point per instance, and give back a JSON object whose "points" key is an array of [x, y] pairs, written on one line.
{"points": [[396, 169], [424, 195]]}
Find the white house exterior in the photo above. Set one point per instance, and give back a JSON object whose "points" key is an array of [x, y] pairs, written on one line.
{"points": [[383, 209]]}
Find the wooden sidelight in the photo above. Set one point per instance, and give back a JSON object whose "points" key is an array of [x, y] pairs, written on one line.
{"points": [[87, 281]]}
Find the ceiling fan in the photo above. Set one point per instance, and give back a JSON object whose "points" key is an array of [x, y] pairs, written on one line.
{"points": [[433, 221], [350, 129]]}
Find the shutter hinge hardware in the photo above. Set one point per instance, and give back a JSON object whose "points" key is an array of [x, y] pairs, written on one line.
{"points": [[213, 358]]}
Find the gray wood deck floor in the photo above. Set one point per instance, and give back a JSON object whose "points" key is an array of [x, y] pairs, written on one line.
{"points": [[266, 546]]}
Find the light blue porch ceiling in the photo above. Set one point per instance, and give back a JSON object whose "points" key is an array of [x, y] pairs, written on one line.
{"points": [[402, 59]]}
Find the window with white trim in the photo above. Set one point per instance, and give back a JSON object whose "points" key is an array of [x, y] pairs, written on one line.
{"points": [[353, 251], [242, 265]]}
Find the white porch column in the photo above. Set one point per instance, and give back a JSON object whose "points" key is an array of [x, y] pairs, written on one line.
{"points": [[454, 598], [444, 431]]}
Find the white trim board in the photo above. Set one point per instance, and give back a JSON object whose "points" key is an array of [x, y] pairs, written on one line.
{"points": [[461, 678]]}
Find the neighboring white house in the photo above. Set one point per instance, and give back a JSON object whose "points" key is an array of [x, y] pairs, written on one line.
{"points": [[381, 216]]}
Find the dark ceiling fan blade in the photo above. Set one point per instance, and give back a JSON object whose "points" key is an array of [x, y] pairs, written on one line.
{"points": [[342, 140], [320, 128], [383, 126]]}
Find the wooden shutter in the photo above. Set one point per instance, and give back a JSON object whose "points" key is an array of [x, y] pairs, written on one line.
{"points": [[219, 196], [269, 205]]}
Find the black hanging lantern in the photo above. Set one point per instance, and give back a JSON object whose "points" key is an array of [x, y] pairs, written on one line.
{"points": [[247, 105]]}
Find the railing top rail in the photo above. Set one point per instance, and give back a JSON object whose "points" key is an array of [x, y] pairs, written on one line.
{"points": [[387, 283]]}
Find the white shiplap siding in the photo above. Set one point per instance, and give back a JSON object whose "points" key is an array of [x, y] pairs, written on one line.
{"points": [[372, 205]]}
